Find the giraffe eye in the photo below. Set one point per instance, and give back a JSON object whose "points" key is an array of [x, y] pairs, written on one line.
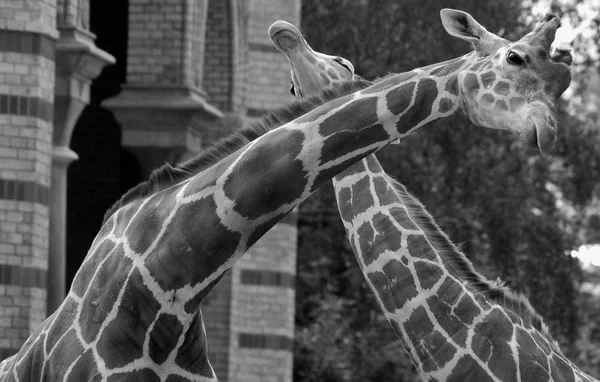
{"points": [[292, 90], [514, 59]]}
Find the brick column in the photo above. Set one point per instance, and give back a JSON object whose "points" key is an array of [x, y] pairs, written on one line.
{"points": [[27, 36], [249, 315], [162, 109], [78, 61]]}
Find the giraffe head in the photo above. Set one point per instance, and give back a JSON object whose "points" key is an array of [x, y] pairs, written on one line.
{"points": [[511, 85], [311, 71]]}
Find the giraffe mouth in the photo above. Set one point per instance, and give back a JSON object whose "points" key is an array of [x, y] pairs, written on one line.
{"points": [[540, 130]]}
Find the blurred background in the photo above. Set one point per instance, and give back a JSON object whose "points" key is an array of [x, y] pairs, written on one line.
{"points": [[95, 94]]}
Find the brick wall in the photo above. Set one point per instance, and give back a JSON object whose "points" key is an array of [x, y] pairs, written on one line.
{"points": [[27, 33], [218, 61], [155, 42]]}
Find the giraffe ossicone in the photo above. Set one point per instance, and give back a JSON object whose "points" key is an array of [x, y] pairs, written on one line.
{"points": [[453, 323], [133, 310]]}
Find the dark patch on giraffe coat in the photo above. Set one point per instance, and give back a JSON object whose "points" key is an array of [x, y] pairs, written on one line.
{"points": [[268, 175], [362, 198], [542, 343], [452, 85], [192, 354], [327, 174], [388, 82], [532, 361], [394, 285], [502, 88], [325, 79], [366, 233], [466, 310], [321, 65], [123, 338], [451, 324], [426, 93], [355, 116], [419, 247], [102, 293], [467, 369], [332, 74], [560, 370], [378, 241], [446, 105], [501, 105], [30, 360], [398, 99], [66, 351], [487, 99], [428, 274], [146, 375], [85, 368], [86, 271], [490, 342], [450, 291], [348, 142], [432, 348], [373, 164], [63, 320], [194, 245], [144, 229], [164, 336], [347, 199], [385, 192], [487, 79], [402, 218], [124, 216], [470, 82]]}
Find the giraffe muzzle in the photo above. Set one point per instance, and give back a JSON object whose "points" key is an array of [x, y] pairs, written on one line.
{"points": [[540, 129], [285, 36]]}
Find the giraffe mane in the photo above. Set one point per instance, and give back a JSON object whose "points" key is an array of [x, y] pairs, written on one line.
{"points": [[167, 175], [495, 291]]}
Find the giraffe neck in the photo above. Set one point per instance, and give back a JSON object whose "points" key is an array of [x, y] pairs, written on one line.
{"points": [[454, 324], [237, 200]]}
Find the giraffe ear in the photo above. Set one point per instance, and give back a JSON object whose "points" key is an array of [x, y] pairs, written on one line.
{"points": [[462, 25]]}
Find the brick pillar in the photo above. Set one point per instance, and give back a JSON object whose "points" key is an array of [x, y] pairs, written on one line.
{"points": [[27, 38], [162, 108], [78, 61], [249, 315]]}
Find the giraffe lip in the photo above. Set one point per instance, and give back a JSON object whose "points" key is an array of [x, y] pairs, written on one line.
{"points": [[541, 132]]}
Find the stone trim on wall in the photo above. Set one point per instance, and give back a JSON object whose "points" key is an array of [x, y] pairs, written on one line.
{"points": [[265, 341], [267, 278], [24, 191], [26, 106], [22, 276], [27, 42]]}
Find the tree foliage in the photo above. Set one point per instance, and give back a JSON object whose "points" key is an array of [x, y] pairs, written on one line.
{"points": [[517, 215]]}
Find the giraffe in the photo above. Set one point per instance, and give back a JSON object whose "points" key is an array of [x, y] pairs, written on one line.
{"points": [[455, 324], [438, 305], [133, 310]]}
